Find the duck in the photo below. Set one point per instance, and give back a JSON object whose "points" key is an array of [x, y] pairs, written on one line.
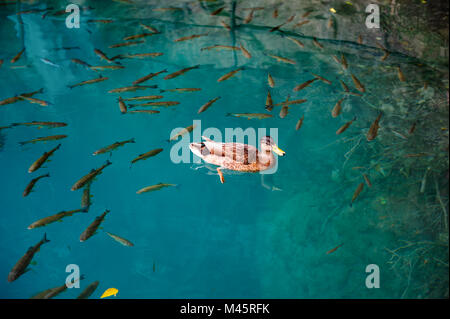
{"points": [[237, 156]]}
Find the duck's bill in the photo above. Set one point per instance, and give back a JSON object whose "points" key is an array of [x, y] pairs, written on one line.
{"points": [[278, 150]]}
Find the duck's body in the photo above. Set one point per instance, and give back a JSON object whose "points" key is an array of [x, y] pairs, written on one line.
{"points": [[237, 156]]}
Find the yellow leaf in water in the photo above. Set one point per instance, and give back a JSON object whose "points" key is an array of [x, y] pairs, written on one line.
{"points": [[109, 292]]}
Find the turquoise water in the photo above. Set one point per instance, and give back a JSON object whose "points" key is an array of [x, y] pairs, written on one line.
{"points": [[239, 239]]}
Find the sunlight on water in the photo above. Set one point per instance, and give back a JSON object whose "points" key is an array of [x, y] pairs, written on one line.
{"points": [[256, 235]]}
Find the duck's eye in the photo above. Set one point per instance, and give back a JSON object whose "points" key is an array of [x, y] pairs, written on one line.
{"points": [[202, 145]]}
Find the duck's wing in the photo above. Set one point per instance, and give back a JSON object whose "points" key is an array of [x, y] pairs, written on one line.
{"points": [[236, 152]]}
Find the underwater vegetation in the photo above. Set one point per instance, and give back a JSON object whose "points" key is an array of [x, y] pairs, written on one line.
{"points": [[362, 117]]}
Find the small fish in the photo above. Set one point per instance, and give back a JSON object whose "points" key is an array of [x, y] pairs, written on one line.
{"points": [[145, 156], [345, 126], [358, 84], [194, 36], [296, 41], [275, 13], [89, 177], [34, 100], [148, 77], [344, 86], [270, 80], [182, 132], [96, 80], [125, 44], [21, 266], [106, 67], [205, 106], [334, 249], [367, 180], [104, 21], [138, 55], [17, 56], [86, 293], [167, 9], [149, 28], [299, 101], [304, 85], [284, 109], [360, 39], [55, 218], [269, 102], [373, 130], [122, 106], [221, 47], [385, 56], [181, 90], [47, 61], [249, 17], [110, 291], [102, 56], [400, 74], [139, 36], [132, 88], [147, 97], [250, 116], [299, 123], [92, 228], [281, 59], [229, 75], [44, 139], [317, 44], [416, 155], [337, 109], [358, 191], [217, 11], [180, 72], [30, 186], [330, 23], [412, 128], [245, 52], [344, 62], [159, 103], [41, 160], [321, 78], [307, 13], [145, 111], [10, 100], [113, 147], [153, 188], [120, 240], [78, 61], [40, 124], [301, 23], [225, 25], [86, 197]]}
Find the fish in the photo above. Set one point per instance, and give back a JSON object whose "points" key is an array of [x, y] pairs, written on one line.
{"points": [[86, 197], [181, 90], [345, 126], [89, 290], [92, 228], [17, 56], [180, 72], [400, 74], [153, 188], [10, 100], [337, 109], [284, 109], [360, 39], [47, 61], [301, 23], [148, 77], [52, 292], [78, 61], [334, 249], [122, 106], [358, 191], [41, 124], [270, 80], [120, 240], [412, 128], [145, 111], [89, 177], [281, 59], [30, 186], [138, 55], [373, 130], [344, 62], [296, 41], [194, 36], [158, 103], [205, 106], [167, 9], [358, 84], [147, 97], [275, 13], [106, 67], [317, 44], [321, 78], [220, 46], [145, 156], [102, 56], [113, 147], [21, 266], [139, 36], [34, 100], [250, 116], [110, 291], [303, 85], [149, 28], [299, 101], [385, 56], [225, 25], [344, 86], [330, 23], [185, 130], [96, 80], [41, 160], [269, 102], [299, 123], [44, 139], [245, 52], [249, 17], [55, 218], [104, 21], [307, 13], [132, 88], [229, 75], [217, 11], [367, 180], [125, 44]]}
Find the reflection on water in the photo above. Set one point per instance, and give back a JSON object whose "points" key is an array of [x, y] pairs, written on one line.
{"points": [[256, 235]]}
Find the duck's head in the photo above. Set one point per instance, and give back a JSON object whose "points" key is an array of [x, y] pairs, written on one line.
{"points": [[199, 149], [268, 145]]}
